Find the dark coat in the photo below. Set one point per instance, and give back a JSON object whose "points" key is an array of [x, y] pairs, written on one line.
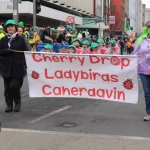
{"points": [[12, 62]]}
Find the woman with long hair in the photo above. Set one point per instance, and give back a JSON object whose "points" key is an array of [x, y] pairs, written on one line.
{"points": [[142, 48]]}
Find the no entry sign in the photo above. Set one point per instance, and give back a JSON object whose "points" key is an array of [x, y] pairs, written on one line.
{"points": [[70, 20]]}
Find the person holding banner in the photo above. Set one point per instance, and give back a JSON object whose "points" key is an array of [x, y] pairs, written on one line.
{"points": [[11, 49], [142, 48]]}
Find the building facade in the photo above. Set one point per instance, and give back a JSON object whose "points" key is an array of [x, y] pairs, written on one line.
{"points": [[143, 15], [147, 14], [117, 9], [106, 17], [134, 14], [55, 12], [139, 17]]}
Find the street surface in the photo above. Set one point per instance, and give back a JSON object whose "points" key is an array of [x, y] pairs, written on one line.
{"points": [[73, 124]]}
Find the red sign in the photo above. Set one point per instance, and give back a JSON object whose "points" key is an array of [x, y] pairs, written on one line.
{"points": [[70, 20], [111, 19]]}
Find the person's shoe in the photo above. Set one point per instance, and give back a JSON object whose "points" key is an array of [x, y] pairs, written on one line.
{"points": [[147, 117], [17, 107], [9, 109]]}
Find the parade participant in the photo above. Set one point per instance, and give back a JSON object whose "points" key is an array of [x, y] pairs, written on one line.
{"points": [[61, 44], [142, 48], [76, 43], [54, 34], [94, 48], [46, 36], [85, 47], [36, 40], [26, 31], [71, 49], [113, 49], [48, 48], [12, 65], [2, 33], [20, 33], [101, 48]]}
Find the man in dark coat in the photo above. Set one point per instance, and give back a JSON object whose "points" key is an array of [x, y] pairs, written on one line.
{"points": [[12, 65]]}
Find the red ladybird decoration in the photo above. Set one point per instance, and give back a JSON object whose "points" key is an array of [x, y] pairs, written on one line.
{"points": [[128, 84], [35, 75]]}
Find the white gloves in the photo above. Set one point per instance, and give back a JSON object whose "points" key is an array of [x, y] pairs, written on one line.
{"points": [[148, 56]]}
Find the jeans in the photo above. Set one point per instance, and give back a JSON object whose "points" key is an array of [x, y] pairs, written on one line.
{"points": [[146, 86]]}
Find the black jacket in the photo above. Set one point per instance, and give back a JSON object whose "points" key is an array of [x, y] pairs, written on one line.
{"points": [[12, 62]]}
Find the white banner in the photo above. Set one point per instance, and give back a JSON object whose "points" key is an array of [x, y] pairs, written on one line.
{"points": [[103, 77]]}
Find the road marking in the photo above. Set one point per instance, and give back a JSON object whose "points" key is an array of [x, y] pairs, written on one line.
{"points": [[23, 95], [49, 114], [74, 134]]}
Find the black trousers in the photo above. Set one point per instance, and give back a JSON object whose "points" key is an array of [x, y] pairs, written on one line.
{"points": [[12, 90]]}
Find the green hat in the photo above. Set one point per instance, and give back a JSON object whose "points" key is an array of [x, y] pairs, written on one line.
{"points": [[21, 24], [94, 45], [83, 31], [112, 42], [72, 46], [68, 27], [74, 30], [1, 28], [35, 30], [74, 40], [53, 30], [85, 42], [48, 46], [10, 22], [100, 41]]}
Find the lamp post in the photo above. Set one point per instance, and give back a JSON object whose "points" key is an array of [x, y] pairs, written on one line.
{"points": [[15, 11], [34, 13]]}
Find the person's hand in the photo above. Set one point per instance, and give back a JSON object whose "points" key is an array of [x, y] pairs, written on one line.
{"points": [[148, 56]]}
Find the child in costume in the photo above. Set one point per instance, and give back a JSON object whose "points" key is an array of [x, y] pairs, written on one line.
{"points": [[113, 49], [76, 43], [85, 47], [71, 49], [48, 48], [94, 48], [36, 40], [101, 48]]}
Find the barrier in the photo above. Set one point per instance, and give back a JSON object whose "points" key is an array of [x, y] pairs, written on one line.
{"points": [[59, 46], [39, 47]]}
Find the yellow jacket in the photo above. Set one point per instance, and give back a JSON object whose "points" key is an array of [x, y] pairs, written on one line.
{"points": [[36, 39], [2, 35]]}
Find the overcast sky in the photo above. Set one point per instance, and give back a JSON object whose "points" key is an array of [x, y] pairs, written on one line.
{"points": [[147, 2]]}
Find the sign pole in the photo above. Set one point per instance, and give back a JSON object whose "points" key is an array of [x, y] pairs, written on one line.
{"points": [[34, 13], [15, 11]]}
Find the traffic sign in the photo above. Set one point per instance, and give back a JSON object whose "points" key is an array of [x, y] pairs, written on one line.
{"points": [[111, 19], [70, 20]]}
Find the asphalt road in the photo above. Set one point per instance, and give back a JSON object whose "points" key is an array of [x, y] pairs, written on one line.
{"points": [[76, 116]]}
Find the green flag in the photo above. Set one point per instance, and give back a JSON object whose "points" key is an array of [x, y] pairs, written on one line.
{"points": [[127, 26]]}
